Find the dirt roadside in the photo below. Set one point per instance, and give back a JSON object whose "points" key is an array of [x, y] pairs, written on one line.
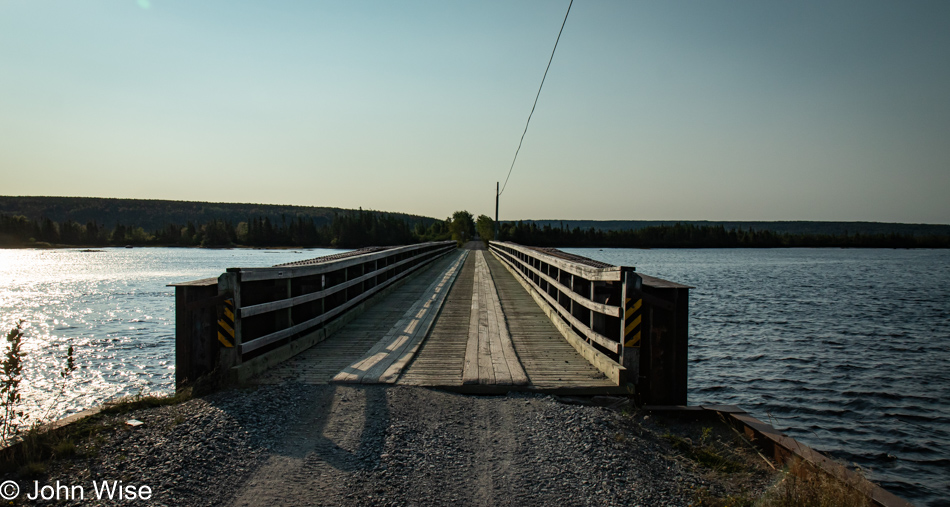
{"points": [[410, 446], [293, 444]]}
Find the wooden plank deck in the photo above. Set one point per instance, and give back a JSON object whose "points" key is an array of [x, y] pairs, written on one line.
{"points": [[385, 361], [490, 357], [550, 362], [440, 361], [485, 312]]}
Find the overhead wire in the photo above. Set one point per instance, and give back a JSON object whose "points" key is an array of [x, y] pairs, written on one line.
{"points": [[536, 97]]}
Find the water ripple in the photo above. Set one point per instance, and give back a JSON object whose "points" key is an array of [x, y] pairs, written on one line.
{"points": [[843, 349], [113, 307]]}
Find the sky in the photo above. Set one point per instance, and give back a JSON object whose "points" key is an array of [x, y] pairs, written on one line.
{"points": [[673, 110]]}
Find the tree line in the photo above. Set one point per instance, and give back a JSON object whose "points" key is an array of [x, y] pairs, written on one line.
{"points": [[712, 236], [345, 230], [370, 228]]}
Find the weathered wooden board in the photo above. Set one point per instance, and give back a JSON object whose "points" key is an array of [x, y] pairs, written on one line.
{"points": [[439, 361], [490, 357], [470, 365], [504, 358]]}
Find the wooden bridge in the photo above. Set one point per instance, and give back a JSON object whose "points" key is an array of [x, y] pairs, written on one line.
{"points": [[467, 319]]}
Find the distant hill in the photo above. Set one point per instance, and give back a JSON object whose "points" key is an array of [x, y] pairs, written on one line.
{"points": [[789, 227], [156, 214]]}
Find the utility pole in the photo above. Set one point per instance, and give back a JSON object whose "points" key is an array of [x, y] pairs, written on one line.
{"points": [[496, 211]]}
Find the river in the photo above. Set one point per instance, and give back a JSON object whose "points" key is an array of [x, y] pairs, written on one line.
{"points": [[843, 349], [113, 306]]}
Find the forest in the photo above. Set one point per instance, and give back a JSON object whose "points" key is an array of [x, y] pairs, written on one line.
{"points": [[151, 214], [87, 221], [681, 235], [352, 229]]}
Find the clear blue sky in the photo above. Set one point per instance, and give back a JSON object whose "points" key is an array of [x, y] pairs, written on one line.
{"points": [[703, 110]]}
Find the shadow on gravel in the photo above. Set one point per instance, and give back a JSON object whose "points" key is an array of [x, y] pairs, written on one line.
{"points": [[300, 441], [348, 428], [342, 426]]}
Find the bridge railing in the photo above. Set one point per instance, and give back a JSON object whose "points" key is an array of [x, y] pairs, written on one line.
{"points": [[268, 314], [632, 327]]}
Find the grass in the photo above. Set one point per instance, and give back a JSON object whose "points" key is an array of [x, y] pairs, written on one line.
{"points": [[734, 476], [737, 474], [705, 498], [801, 485], [138, 402], [797, 485], [706, 453], [32, 469], [64, 449]]}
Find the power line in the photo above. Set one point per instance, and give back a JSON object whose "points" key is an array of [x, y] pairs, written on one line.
{"points": [[536, 97]]}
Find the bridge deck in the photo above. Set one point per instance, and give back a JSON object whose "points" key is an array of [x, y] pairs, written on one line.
{"points": [[412, 337]]}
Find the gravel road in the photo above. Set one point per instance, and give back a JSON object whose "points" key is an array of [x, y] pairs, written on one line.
{"points": [[294, 444]]}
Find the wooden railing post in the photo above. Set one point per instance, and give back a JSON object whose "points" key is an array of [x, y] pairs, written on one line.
{"points": [[229, 286], [631, 324]]}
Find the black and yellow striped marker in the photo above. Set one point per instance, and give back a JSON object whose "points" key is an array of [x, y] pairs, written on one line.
{"points": [[631, 322], [226, 324]]}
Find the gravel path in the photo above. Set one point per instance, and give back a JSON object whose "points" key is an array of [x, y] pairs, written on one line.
{"points": [[293, 444]]}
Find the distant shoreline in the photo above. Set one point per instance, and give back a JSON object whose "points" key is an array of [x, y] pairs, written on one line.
{"points": [[101, 248], [95, 248], [52, 222]]}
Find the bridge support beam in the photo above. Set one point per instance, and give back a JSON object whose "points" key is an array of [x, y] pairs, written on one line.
{"points": [[196, 316], [664, 346]]}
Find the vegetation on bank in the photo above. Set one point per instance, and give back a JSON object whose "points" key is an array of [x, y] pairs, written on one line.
{"points": [[153, 214], [371, 228], [726, 456], [345, 230], [709, 236], [823, 228], [28, 442], [11, 375]]}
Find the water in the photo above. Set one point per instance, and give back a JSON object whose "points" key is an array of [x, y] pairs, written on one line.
{"points": [[112, 305], [842, 349], [845, 350]]}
